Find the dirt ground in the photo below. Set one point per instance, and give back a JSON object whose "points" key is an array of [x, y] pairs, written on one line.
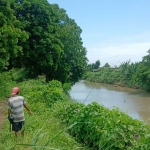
{"points": [[3, 106]]}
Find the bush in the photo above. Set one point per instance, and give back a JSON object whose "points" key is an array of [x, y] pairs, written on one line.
{"points": [[101, 128], [19, 74], [6, 85]]}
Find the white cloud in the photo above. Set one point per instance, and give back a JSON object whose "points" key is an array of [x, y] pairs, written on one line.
{"points": [[116, 54]]}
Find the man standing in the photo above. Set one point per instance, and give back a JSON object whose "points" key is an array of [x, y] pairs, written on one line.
{"points": [[15, 110]]}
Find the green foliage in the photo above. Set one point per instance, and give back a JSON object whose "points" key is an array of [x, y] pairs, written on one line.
{"points": [[6, 85], [146, 59], [66, 87], [55, 84], [92, 125], [94, 65], [67, 111], [105, 75], [42, 131], [11, 36], [44, 48], [54, 96], [142, 73], [49, 45], [19, 74], [41, 92], [135, 75], [101, 128], [54, 46], [107, 65], [73, 62]]}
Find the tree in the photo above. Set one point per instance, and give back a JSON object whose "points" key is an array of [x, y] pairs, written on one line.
{"points": [[146, 59], [143, 72], [94, 65], [97, 64], [73, 61], [10, 35], [54, 47], [107, 65], [43, 48]]}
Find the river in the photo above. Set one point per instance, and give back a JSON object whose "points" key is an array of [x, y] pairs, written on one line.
{"points": [[134, 102]]}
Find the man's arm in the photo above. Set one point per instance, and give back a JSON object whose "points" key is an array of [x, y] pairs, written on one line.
{"points": [[25, 105], [9, 112], [9, 108]]}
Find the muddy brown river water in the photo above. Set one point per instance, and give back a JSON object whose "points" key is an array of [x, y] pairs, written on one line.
{"points": [[134, 102]]}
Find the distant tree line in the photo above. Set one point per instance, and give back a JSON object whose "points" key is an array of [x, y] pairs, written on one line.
{"points": [[41, 38], [95, 65], [136, 75]]}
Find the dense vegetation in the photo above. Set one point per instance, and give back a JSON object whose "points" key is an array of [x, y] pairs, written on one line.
{"points": [[135, 75], [60, 123], [41, 51], [42, 39], [42, 130]]}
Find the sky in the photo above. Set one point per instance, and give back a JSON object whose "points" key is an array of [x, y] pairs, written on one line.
{"points": [[113, 31]]}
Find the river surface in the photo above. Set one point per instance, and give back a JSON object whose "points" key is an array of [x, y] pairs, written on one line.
{"points": [[134, 102]]}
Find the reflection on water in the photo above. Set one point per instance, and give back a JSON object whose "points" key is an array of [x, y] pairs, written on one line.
{"points": [[135, 103]]}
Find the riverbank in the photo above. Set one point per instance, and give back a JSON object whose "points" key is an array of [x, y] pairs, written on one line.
{"points": [[42, 130], [60, 123], [127, 75], [134, 102]]}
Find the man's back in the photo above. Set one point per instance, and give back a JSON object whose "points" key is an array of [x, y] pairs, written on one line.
{"points": [[15, 104]]}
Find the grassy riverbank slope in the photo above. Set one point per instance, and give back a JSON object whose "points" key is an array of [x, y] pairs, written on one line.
{"points": [[60, 123], [42, 130]]}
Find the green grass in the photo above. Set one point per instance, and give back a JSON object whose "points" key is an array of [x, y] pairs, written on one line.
{"points": [[93, 125], [42, 131]]}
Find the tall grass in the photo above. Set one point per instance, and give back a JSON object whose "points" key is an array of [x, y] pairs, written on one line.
{"points": [[42, 131], [54, 116], [6, 85]]}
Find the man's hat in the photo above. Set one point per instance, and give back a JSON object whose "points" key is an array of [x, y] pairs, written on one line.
{"points": [[15, 90]]}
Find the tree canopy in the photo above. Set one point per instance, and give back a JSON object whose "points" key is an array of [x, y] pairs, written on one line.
{"points": [[11, 35], [95, 65], [42, 38]]}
